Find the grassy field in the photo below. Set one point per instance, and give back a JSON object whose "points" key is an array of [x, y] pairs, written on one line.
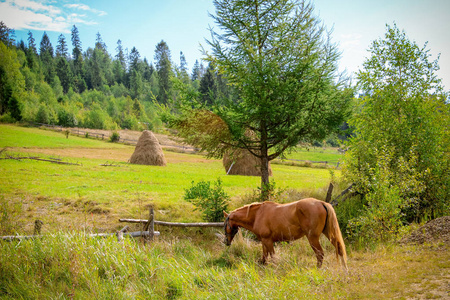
{"points": [[73, 200], [102, 185]]}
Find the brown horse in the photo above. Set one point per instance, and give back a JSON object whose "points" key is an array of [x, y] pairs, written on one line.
{"points": [[272, 222]]}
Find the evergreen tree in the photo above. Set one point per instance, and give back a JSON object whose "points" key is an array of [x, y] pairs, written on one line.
{"points": [[77, 52], [208, 87], [31, 43], [99, 44], [46, 47], [119, 64], [31, 53], [164, 70], [195, 71], [6, 34], [182, 70], [147, 70], [134, 59], [46, 55], [283, 67], [61, 47], [77, 62], [64, 73]]}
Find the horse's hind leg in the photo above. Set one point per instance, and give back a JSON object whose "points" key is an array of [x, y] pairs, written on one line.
{"points": [[314, 242]]}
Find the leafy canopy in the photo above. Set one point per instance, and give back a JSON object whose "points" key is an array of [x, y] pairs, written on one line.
{"points": [[402, 110], [281, 64]]}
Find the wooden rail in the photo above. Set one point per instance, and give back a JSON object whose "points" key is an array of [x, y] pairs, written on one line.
{"points": [[10, 238], [174, 224]]}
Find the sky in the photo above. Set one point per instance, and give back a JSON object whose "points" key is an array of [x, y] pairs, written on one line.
{"points": [[184, 25]]}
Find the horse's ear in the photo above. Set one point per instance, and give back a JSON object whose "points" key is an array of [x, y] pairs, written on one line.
{"points": [[225, 214]]}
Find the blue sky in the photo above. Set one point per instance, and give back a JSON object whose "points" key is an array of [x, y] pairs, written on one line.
{"points": [[184, 24]]}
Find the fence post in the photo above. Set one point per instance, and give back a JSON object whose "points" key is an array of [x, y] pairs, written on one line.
{"points": [[329, 192], [150, 225], [37, 227]]}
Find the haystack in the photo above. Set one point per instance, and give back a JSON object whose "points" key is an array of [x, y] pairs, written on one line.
{"points": [[148, 151], [244, 163]]}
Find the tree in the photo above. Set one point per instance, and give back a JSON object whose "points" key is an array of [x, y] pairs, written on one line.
{"points": [[46, 55], [61, 47], [182, 70], [77, 58], [31, 43], [6, 34], [283, 68], [195, 71], [119, 64], [64, 73], [99, 44], [164, 70], [208, 86], [134, 59], [403, 112]]}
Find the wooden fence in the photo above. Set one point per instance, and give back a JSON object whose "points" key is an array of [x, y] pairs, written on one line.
{"points": [[102, 136]]}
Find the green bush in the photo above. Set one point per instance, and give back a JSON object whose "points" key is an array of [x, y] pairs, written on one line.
{"points": [[114, 137], [211, 201], [381, 217]]}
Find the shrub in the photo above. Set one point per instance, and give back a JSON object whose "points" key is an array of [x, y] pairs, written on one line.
{"points": [[211, 201], [114, 137], [386, 201]]}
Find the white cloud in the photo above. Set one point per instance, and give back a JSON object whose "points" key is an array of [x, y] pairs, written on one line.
{"points": [[40, 15], [31, 15], [351, 40], [86, 8]]}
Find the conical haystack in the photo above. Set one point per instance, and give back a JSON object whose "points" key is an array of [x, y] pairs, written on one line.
{"points": [[245, 163], [148, 151]]}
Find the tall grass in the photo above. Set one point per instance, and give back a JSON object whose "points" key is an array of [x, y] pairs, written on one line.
{"points": [[67, 265], [72, 265]]}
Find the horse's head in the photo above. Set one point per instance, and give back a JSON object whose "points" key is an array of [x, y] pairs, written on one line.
{"points": [[230, 229]]}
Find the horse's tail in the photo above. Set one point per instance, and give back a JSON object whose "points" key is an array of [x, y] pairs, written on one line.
{"points": [[333, 232]]}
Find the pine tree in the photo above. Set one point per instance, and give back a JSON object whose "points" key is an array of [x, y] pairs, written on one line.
{"points": [[99, 44], [77, 52], [46, 55], [6, 34], [134, 59], [31, 43], [119, 64], [64, 73], [61, 47], [164, 69], [208, 87], [195, 71]]}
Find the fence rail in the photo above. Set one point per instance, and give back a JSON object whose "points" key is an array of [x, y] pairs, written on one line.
{"points": [[102, 136], [81, 132], [175, 224]]}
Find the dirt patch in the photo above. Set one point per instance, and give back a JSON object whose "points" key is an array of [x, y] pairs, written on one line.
{"points": [[437, 230]]}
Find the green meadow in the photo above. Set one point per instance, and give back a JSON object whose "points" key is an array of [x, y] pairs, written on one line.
{"points": [[100, 186]]}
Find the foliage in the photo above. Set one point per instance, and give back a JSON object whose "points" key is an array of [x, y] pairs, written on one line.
{"points": [[212, 201], [259, 43], [115, 137], [403, 112], [381, 217]]}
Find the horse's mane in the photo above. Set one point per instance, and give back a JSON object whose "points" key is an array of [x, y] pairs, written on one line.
{"points": [[248, 206]]}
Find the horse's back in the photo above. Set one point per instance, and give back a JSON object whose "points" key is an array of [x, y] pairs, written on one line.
{"points": [[291, 220]]}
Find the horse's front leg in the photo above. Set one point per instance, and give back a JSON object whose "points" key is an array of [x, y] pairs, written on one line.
{"points": [[268, 249]]}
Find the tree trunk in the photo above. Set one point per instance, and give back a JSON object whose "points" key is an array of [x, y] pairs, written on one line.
{"points": [[264, 165]]}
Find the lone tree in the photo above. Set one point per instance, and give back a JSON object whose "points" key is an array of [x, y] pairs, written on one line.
{"points": [[281, 64]]}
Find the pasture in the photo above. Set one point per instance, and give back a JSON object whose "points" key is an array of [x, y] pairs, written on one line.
{"points": [[100, 187]]}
